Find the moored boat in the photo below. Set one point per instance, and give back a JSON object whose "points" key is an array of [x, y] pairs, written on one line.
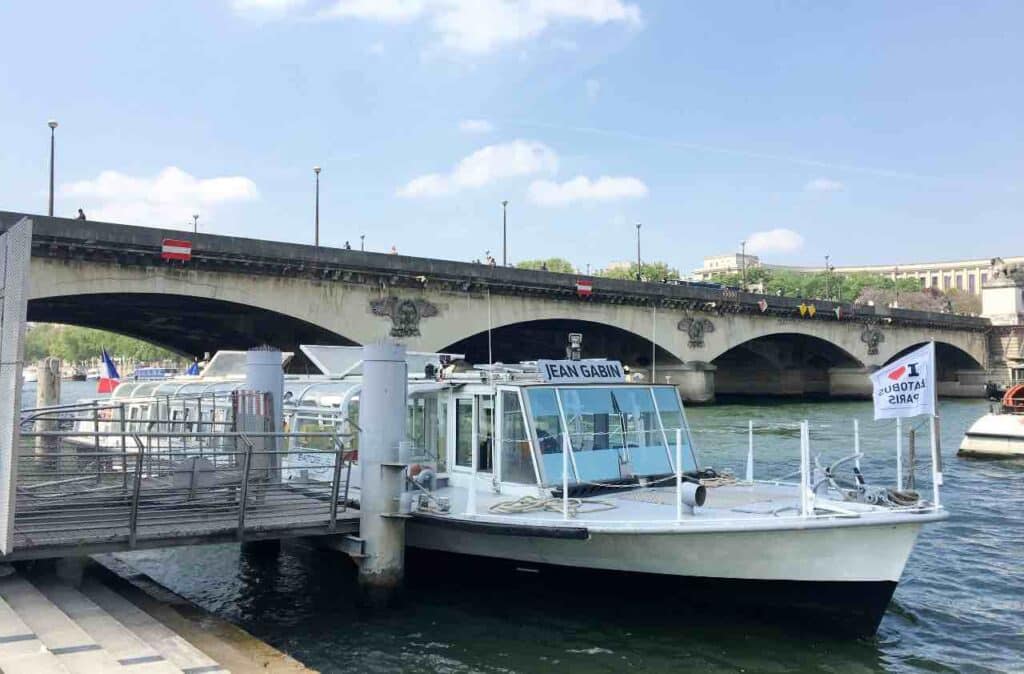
{"points": [[999, 434], [565, 471]]}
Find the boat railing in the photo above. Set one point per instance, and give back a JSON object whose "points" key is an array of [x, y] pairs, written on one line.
{"points": [[596, 459], [130, 486]]}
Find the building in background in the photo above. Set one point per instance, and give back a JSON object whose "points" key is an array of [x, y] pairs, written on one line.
{"points": [[966, 275]]}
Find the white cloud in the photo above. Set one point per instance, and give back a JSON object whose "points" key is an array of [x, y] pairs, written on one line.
{"points": [[581, 188], [475, 126], [824, 185], [388, 11], [168, 199], [265, 8], [593, 89], [774, 241], [485, 166], [479, 26]]}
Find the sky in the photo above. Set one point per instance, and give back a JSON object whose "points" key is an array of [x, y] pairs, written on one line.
{"points": [[873, 132]]}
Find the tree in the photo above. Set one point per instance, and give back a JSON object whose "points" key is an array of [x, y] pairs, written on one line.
{"points": [[558, 264], [961, 302], [73, 344], [649, 271]]}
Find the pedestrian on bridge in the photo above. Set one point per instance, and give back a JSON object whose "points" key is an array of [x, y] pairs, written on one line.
{"points": [[81, 215], [348, 246]]}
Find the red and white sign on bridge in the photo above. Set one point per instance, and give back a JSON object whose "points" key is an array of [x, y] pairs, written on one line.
{"points": [[176, 249]]}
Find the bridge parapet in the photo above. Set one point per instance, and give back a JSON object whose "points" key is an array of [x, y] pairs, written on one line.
{"points": [[141, 246]]}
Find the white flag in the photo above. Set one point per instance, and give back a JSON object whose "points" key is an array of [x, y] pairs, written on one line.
{"points": [[906, 387]]}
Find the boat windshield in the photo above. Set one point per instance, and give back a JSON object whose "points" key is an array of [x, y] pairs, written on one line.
{"points": [[614, 432]]}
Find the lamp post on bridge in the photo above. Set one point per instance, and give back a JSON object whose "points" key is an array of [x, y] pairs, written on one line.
{"points": [[896, 285], [53, 125], [639, 276], [828, 274], [195, 223], [504, 233], [316, 221], [743, 263], [362, 242]]}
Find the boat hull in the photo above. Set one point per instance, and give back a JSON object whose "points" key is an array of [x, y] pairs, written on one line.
{"points": [[995, 436], [836, 580]]}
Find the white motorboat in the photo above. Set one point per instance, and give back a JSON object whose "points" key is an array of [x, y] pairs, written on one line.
{"points": [[999, 434], [29, 374], [576, 475]]}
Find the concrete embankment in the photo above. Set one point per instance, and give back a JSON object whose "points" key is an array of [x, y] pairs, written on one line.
{"points": [[103, 616]]}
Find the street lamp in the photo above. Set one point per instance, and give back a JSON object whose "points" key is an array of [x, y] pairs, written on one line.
{"points": [[896, 284], [53, 125], [316, 224], [639, 276], [828, 294], [743, 263], [362, 242], [195, 223], [504, 233]]}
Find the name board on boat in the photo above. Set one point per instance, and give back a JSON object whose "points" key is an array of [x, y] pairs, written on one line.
{"points": [[581, 371]]}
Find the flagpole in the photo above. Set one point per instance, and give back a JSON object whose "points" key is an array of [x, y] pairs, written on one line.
{"points": [[936, 440], [899, 453]]}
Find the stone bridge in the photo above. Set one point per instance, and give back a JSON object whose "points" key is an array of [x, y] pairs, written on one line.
{"points": [[237, 292]]}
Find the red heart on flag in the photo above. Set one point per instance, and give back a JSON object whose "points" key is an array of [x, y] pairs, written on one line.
{"points": [[897, 373]]}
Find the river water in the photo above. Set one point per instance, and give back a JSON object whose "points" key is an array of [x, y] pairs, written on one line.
{"points": [[959, 606]]}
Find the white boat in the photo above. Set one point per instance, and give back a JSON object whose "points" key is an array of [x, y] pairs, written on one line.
{"points": [[29, 374], [999, 434], [92, 374], [592, 483]]}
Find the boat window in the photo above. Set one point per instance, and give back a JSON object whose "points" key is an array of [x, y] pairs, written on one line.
{"points": [[416, 423], [485, 433], [464, 432], [516, 463], [671, 419], [442, 435], [547, 424], [352, 425]]}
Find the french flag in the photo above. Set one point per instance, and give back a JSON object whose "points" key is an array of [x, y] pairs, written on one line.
{"points": [[108, 374]]}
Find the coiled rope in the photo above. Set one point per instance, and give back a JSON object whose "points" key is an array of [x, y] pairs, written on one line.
{"points": [[533, 504]]}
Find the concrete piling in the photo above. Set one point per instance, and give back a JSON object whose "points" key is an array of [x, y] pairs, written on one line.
{"points": [[263, 373], [382, 420], [47, 395]]}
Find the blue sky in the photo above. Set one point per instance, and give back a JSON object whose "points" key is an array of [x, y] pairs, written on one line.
{"points": [[875, 132]]}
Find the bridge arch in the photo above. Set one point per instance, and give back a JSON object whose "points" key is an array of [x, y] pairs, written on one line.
{"points": [[782, 364], [957, 371], [548, 337], [186, 324]]}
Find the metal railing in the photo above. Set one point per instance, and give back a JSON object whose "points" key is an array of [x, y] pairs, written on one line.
{"points": [[125, 486]]}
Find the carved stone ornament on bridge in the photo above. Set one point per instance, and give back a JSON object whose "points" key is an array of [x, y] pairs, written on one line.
{"points": [[405, 314], [696, 328], [872, 336]]}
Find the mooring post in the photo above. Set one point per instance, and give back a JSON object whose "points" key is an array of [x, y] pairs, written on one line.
{"points": [[47, 395], [382, 412], [263, 373]]}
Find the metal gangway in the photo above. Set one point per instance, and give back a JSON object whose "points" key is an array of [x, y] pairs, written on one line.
{"points": [[97, 477]]}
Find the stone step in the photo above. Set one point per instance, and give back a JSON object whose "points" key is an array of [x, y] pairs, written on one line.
{"points": [[21, 651], [158, 636], [75, 649], [125, 646]]}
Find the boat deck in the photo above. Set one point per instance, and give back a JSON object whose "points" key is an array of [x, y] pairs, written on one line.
{"points": [[757, 505]]}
